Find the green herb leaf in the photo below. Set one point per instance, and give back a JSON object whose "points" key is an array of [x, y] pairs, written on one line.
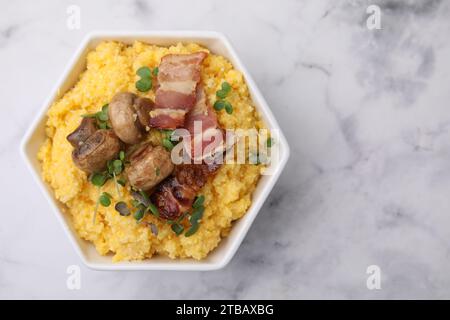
{"points": [[144, 84], [219, 105], [181, 218], [270, 142], [157, 171], [168, 134], [155, 71], [167, 144], [226, 87], [122, 155], [197, 214], [102, 116], [117, 166], [221, 94], [135, 203], [105, 199], [193, 229], [177, 228], [139, 214], [109, 166], [198, 201], [153, 209], [98, 179], [122, 182], [102, 125], [146, 199], [107, 194], [141, 197], [228, 107], [144, 72]]}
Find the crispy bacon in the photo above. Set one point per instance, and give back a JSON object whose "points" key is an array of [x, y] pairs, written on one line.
{"points": [[175, 100], [201, 122], [202, 111], [175, 195], [178, 77], [167, 118]]}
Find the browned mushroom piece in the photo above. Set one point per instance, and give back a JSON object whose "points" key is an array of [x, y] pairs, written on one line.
{"points": [[129, 115], [149, 165], [92, 155], [86, 128], [143, 106]]}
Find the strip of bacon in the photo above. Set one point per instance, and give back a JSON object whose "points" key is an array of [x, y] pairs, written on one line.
{"points": [[167, 118], [201, 122], [175, 195], [202, 111], [178, 77]]}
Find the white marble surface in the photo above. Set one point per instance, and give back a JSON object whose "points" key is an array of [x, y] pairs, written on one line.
{"points": [[367, 116]]}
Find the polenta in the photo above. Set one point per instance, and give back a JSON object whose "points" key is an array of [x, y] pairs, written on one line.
{"points": [[111, 68]]}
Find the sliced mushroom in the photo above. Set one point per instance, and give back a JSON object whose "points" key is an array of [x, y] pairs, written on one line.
{"points": [[129, 115], [143, 106], [92, 155], [149, 165], [86, 128]]}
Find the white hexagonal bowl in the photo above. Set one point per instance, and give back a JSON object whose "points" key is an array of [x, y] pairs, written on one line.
{"points": [[35, 136]]}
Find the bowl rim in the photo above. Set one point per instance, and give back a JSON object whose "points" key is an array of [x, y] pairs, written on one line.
{"points": [[261, 106]]}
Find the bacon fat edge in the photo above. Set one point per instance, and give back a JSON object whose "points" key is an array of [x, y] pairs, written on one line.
{"points": [[178, 77]]}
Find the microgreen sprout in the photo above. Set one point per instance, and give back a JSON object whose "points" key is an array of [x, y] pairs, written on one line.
{"points": [[168, 140], [193, 229], [198, 201], [167, 144], [105, 199], [221, 94], [195, 216], [142, 202], [114, 168], [153, 209], [102, 117], [177, 228], [144, 72], [145, 83], [139, 214]]}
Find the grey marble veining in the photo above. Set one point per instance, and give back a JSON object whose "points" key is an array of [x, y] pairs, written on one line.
{"points": [[367, 116]]}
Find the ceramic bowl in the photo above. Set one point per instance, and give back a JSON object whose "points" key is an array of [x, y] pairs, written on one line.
{"points": [[217, 43]]}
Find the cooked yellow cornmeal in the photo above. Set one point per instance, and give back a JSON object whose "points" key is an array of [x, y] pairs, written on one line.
{"points": [[111, 68]]}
